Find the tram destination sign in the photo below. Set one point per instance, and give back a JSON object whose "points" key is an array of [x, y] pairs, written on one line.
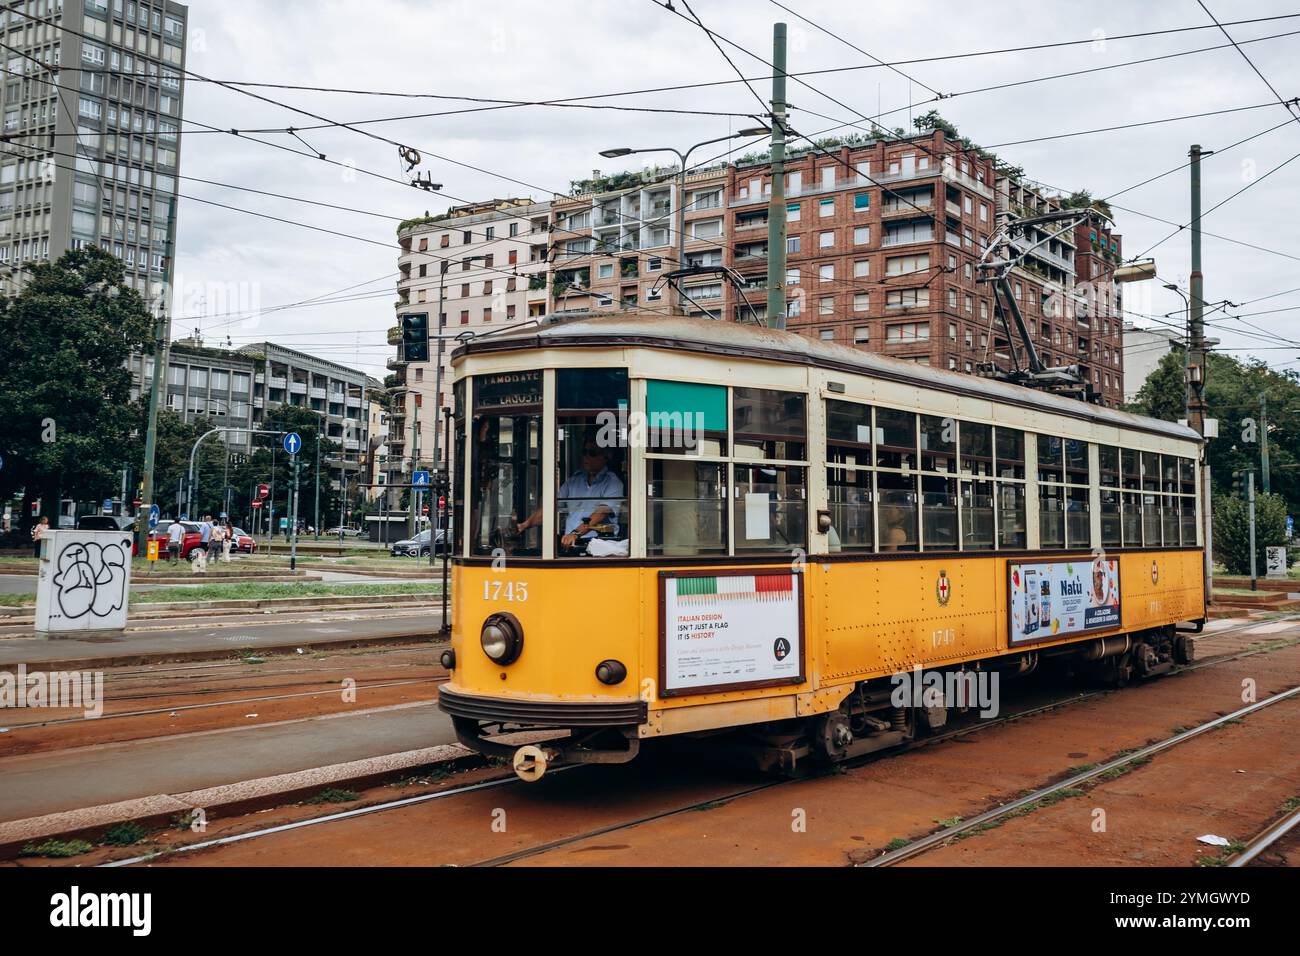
{"points": [[1050, 600], [730, 630], [506, 390]]}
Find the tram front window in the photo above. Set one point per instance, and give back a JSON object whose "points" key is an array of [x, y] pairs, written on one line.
{"points": [[505, 489], [507, 492]]}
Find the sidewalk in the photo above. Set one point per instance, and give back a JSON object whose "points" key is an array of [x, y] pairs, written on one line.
{"points": [[196, 643]]}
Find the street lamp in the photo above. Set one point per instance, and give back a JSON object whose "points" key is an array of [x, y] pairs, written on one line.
{"points": [[681, 185]]}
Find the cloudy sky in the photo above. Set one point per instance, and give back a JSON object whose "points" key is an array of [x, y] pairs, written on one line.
{"points": [[231, 264]]}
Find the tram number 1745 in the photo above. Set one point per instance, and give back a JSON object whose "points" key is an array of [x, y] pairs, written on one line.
{"points": [[505, 590]]}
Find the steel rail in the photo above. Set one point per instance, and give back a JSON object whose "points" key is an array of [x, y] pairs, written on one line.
{"points": [[1266, 839], [917, 847]]}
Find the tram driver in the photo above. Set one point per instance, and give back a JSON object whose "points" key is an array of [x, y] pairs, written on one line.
{"points": [[589, 501]]}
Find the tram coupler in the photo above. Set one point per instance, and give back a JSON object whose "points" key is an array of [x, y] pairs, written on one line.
{"points": [[531, 762]]}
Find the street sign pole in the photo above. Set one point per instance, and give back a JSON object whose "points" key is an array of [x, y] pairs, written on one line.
{"points": [[293, 530], [1250, 498]]}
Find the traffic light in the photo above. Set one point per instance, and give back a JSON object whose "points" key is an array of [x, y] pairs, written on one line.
{"points": [[1236, 483], [415, 337]]}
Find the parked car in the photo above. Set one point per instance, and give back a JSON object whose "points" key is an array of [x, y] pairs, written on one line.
{"points": [[344, 532], [191, 540], [108, 523], [242, 542], [417, 546]]}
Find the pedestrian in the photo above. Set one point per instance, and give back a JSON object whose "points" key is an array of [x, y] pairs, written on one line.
{"points": [[174, 535], [205, 542], [214, 541], [227, 535], [38, 532]]}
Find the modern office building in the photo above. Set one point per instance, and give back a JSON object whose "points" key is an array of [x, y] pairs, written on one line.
{"points": [[236, 390], [93, 96]]}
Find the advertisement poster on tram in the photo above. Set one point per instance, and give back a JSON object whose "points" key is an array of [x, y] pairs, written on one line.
{"points": [[1055, 599], [730, 631]]}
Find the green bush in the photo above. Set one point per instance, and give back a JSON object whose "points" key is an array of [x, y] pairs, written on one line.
{"points": [[1232, 530]]}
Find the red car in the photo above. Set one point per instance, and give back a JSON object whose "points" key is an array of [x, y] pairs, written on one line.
{"points": [[243, 543], [191, 540]]}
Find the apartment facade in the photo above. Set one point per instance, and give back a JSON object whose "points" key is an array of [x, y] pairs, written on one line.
{"points": [[487, 262], [883, 239], [103, 81], [612, 243]]}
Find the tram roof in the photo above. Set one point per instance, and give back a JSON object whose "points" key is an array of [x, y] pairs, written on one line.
{"points": [[731, 338]]}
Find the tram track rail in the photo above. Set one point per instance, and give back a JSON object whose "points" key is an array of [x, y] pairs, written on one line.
{"points": [[941, 837], [1265, 839], [714, 800]]}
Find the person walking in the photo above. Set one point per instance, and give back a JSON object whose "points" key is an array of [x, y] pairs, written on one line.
{"points": [[38, 532], [205, 543], [174, 535], [214, 541], [227, 535]]}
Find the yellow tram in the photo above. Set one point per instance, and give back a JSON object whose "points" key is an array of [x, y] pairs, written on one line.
{"points": [[673, 526]]}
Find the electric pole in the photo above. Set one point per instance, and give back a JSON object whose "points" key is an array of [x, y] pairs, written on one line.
{"points": [[776, 211], [1263, 441], [1196, 364]]}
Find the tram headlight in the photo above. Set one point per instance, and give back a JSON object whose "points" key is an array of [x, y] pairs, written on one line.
{"points": [[502, 638]]}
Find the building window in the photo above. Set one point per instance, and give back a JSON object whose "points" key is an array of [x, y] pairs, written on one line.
{"points": [[861, 302], [826, 240], [792, 244], [908, 332], [827, 335], [861, 334], [792, 212], [826, 207], [862, 268], [861, 201], [826, 305], [826, 273], [791, 277], [862, 235]]}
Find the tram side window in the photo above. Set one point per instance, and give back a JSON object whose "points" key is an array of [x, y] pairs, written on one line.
{"points": [[1169, 498], [769, 424], [591, 502], [1131, 483], [1108, 458], [1078, 475], [686, 507], [976, 496], [1051, 493], [1187, 509], [938, 491], [1151, 498], [1009, 466], [771, 507], [896, 459], [686, 497], [506, 470], [849, 484]]}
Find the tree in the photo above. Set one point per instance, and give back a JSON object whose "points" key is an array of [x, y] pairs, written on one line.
{"points": [[1232, 530], [67, 427], [270, 464], [176, 439], [1082, 199], [1232, 393]]}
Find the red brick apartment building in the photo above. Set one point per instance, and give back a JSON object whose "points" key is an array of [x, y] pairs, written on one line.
{"points": [[882, 243]]}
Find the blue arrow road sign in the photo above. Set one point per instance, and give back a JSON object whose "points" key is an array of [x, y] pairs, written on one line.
{"points": [[292, 442], [153, 517], [420, 478]]}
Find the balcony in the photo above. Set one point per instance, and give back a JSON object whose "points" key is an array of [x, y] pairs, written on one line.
{"points": [[906, 238], [318, 393], [299, 388], [394, 363], [953, 208], [279, 382], [952, 175], [905, 209]]}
